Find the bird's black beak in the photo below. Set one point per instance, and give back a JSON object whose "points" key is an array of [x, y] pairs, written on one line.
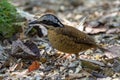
{"points": [[34, 22]]}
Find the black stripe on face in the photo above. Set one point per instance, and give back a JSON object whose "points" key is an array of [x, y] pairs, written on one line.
{"points": [[50, 19], [34, 22]]}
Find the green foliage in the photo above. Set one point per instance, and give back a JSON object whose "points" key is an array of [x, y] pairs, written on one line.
{"points": [[8, 16]]}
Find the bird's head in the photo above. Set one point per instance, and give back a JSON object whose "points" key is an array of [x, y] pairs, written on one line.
{"points": [[49, 21]]}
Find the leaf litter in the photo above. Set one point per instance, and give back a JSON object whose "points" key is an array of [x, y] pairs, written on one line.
{"points": [[102, 23]]}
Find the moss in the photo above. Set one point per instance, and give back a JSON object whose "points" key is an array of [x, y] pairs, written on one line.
{"points": [[8, 16]]}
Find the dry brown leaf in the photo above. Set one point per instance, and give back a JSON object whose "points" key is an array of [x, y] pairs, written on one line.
{"points": [[33, 47], [113, 30], [92, 30], [114, 51], [34, 66], [17, 45], [78, 75], [1, 77]]}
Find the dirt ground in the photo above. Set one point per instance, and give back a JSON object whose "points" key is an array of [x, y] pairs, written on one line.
{"points": [[102, 23]]}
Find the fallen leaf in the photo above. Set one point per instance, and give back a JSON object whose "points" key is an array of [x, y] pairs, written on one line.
{"points": [[116, 65], [20, 74], [17, 45], [33, 47], [114, 52], [113, 30], [95, 30], [78, 75], [34, 66]]}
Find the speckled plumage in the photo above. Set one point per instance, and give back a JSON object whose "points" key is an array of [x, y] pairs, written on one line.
{"points": [[70, 40]]}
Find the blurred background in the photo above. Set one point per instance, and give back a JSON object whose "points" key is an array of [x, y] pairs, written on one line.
{"points": [[69, 8]]}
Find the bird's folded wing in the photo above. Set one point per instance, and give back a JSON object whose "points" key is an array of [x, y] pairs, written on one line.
{"points": [[76, 35]]}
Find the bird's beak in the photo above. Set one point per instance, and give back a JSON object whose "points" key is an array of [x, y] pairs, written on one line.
{"points": [[34, 22]]}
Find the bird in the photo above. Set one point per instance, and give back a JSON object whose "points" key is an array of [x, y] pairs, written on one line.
{"points": [[65, 38]]}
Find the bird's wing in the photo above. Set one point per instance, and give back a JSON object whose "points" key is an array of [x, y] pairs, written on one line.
{"points": [[76, 35]]}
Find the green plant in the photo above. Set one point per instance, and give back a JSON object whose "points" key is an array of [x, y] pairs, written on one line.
{"points": [[8, 16]]}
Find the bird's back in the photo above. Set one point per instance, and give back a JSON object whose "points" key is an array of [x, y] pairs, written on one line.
{"points": [[70, 40]]}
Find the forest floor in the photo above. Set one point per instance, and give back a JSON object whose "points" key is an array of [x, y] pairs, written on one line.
{"points": [[102, 23]]}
